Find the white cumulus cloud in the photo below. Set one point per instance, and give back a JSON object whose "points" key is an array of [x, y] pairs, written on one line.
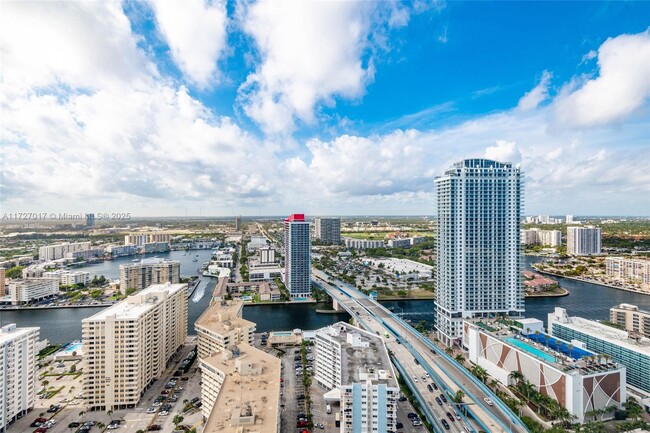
{"points": [[310, 52], [621, 87], [195, 31], [537, 95]]}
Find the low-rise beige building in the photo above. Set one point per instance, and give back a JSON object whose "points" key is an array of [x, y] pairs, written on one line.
{"points": [[631, 318], [240, 385], [128, 345], [221, 326], [628, 270], [241, 391]]}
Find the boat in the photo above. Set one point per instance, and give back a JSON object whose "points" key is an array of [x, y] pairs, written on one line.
{"points": [[135, 260], [195, 260], [197, 255]]}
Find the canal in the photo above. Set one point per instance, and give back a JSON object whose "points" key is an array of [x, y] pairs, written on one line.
{"points": [[62, 325]]}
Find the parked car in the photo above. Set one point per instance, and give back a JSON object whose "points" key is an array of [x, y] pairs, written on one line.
{"points": [[417, 423], [412, 415], [152, 409], [399, 425]]}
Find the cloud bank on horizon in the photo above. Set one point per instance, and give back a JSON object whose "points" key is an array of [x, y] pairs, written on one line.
{"points": [[273, 107]]}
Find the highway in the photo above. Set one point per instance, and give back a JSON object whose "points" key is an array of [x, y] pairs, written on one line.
{"points": [[415, 356]]}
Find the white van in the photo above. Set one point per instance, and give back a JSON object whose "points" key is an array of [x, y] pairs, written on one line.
{"points": [[329, 409]]}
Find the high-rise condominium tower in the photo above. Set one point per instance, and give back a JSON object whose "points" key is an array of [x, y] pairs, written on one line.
{"points": [[297, 257], [328, 230], [478, 249]]}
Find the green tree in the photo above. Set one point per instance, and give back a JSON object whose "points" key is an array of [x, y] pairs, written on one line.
{"points": [[15, 273], [110, 414], [177, 420], [460, 359], [100, 425]]}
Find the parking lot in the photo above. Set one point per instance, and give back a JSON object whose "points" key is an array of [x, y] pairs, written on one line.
{"points": [[292, 387], [130, 420]]}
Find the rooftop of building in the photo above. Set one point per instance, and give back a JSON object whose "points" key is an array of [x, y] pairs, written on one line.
{"points": [[11, 331], [244, 394], [150, 261], [139, 303], [552, 351], [599, 330], [630, 307], [223, 316], [370, 356]]}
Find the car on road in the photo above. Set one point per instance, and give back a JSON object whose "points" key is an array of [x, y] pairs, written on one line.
{"points": [[444, 423], [450, 416], [488, 401], [399, 425], [402, 398], [434, 385], [439, 401], [412, 415], [417, 423], [457, 415], [430, 388], [415, 379], [443, 398]]}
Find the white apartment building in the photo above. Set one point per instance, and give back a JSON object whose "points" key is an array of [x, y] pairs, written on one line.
{"points": [[256, 243], [59, 251], [121, 250], [633, 319], [263, 272], [625, 269], [32, 289], [328, 230], [583, 241], [535, 236], [478, 247], [297, 257], [628, 349], [149, 271], [362, 244], [353, 366], [128, 345], [17, 372], [69, 278], [267, 255], [395, 243]]}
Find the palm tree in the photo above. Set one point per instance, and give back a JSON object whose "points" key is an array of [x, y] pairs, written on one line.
{"points": [[460, 359], [82, 414], [516, 375], [547, 338], [458, 397], [480, 373], [537, 335], [177, 420], [449, 350], [570, 350], [100, 425], [110, 414]]}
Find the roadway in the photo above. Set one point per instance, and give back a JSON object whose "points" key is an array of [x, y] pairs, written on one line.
{"points": [[446, 373]]}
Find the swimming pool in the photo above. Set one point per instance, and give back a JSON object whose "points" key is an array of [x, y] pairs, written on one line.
{"points": [[282, 333], [530, 349], [72, 347]]}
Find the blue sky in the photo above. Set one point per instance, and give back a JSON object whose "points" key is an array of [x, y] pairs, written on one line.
{"points": [[320, 107]]}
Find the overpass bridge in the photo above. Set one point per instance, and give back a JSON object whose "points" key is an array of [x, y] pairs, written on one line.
{"points": [[415, 356]]}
